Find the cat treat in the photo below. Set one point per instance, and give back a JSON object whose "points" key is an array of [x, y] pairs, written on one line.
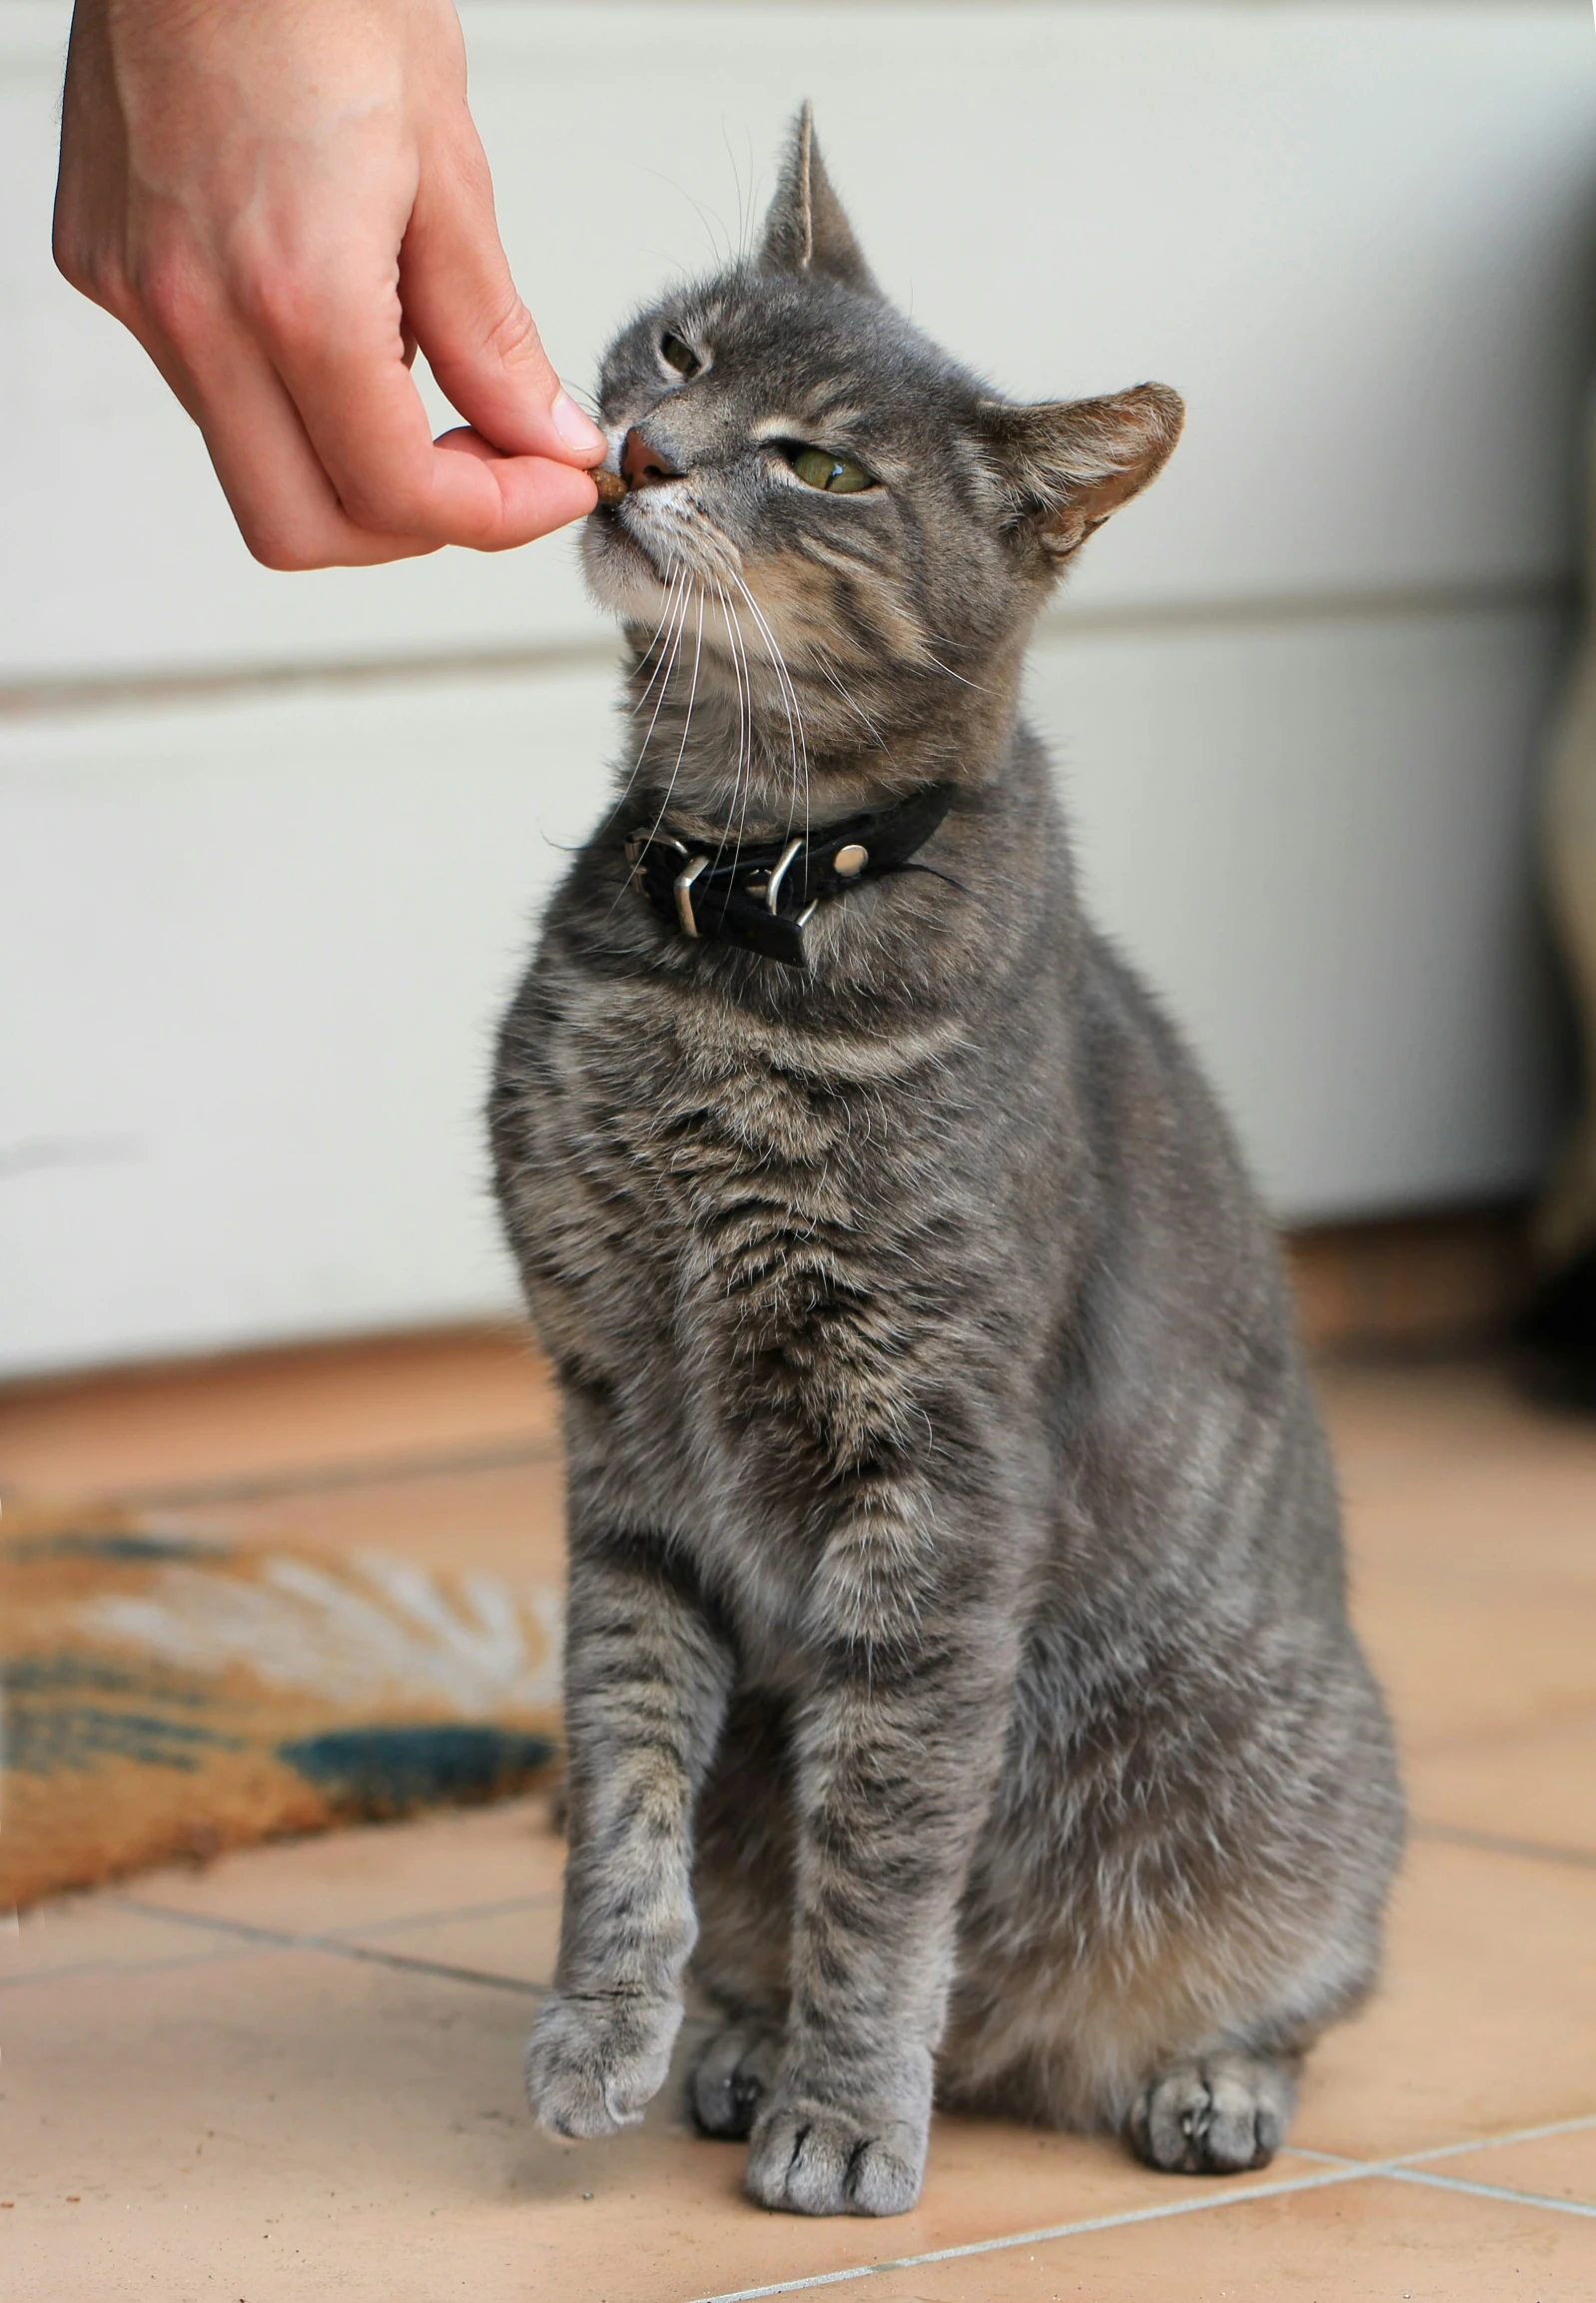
{"points": [[611, 486]]}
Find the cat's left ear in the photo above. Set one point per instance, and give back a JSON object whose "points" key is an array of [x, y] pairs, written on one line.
{"points": [[806, 233], [1069, 465]]}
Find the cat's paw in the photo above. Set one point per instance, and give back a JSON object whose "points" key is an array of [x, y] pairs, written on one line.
{"points": [[593, 2063], [1212, 2115], [813, 2158], [731, 2077]]}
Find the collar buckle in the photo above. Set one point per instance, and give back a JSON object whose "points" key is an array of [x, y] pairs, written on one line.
{"points": [[741, 900], [773, 891], [682, 888]]}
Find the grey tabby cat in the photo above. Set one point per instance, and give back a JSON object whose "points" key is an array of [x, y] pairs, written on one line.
{"points": [[959, 1681]]}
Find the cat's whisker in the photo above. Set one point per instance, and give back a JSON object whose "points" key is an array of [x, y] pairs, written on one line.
{"points": [[636, 766], [740, 643], [664, 685], [678, 576], [681, 573], [860, 714], [664, 805], [742, 249], [675, 577], [748, 683], [796, 733], [974, 686], [693, 697], [661, 675], [745, 728]]}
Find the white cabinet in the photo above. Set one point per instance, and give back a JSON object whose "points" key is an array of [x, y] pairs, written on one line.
{"points": [[254, 937]]}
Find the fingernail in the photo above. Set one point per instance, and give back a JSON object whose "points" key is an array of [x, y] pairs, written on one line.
{"points": [[575, 429]]}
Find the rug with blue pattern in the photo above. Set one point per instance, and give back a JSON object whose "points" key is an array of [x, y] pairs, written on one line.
{"points": [[163, 1697]]}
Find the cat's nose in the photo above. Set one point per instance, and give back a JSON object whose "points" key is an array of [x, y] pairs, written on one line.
{"points": [[644, 464]]}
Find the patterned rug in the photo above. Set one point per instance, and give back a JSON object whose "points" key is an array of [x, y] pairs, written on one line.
{"points": [[164, 1697]]}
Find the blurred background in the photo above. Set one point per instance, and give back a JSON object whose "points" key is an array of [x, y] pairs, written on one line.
{"points": [[274, 845]]}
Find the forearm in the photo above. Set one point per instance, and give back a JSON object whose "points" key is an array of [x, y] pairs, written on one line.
{"points": [[896, 1760], [646, 1686], [647, 1680]]}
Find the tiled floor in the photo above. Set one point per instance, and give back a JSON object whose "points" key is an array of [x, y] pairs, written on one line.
{"points": [[296, 2075]]}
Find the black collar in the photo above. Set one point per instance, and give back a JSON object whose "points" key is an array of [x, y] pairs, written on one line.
{"points": [[763, 897]]}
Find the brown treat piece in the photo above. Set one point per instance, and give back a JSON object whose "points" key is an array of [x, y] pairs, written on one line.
{"points": [[612, 488]]}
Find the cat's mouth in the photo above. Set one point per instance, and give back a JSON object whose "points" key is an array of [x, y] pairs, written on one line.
{"points": [[632, 535], [636, 560], [623, 573], [666, 566]]}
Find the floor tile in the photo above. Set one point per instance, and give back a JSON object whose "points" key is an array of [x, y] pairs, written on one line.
{"points": [[982, 2180], [1553, 2167], [305, 2125], [1391, 1422], [84, 1935], [1366, 2242], [293, 2125], [440, 1864], [1485, 2021], [189, 2113], [274, 1414], [1536, 1786], [1484, 1522], [517, 1940], [1468, 1658]]}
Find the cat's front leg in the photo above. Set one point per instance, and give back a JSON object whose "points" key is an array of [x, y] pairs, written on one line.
{"points": [[646, 1680], [895, 1749]]}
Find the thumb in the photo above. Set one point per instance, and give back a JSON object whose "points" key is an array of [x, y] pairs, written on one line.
{"points": [[460, 303]]}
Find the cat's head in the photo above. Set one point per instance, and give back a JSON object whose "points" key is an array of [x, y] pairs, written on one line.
{"points": [[815, 483]]}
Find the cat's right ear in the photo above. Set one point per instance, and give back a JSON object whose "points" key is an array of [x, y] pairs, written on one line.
{"points": [[807, 236], [1066, 465]]}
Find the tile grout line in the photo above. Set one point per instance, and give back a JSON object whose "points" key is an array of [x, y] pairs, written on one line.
{"points": [[1486, 2190], [1410, 2167], [1496, 1844], [1542, 2134], [77, 1970], [1339, 2170], [283, 1940], [1337, 2175], [505, 1909]]}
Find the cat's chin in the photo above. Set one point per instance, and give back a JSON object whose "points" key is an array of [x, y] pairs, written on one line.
{"points": [[620, 575]]}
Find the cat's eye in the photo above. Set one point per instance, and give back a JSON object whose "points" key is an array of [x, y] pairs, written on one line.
{"points": [[680, 355], [818, 467]]}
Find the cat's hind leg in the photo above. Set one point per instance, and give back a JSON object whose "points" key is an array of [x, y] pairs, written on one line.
{"points": [[1212, 2114], [730, 2078], [743, 1889]]}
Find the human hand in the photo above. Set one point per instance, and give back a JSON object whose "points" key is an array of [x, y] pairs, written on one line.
{"points": [[282, 199]]}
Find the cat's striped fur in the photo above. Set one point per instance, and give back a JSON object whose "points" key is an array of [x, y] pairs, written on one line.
{"points": [[959, 1678]]}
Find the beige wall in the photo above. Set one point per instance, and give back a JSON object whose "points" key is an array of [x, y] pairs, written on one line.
{"points": [[257, 925]]}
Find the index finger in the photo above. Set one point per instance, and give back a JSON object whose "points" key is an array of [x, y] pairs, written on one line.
{"points": [[338, 345]]}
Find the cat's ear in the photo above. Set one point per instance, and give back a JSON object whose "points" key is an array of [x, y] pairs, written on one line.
{"points": [[806, 232], [1069, 465]]}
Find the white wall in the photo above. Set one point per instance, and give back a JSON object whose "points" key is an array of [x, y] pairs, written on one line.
{"points": [[255, 927]]}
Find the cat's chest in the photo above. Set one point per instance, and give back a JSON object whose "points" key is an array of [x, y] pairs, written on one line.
{"points": [[735, 1196], [731, 1168]]}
